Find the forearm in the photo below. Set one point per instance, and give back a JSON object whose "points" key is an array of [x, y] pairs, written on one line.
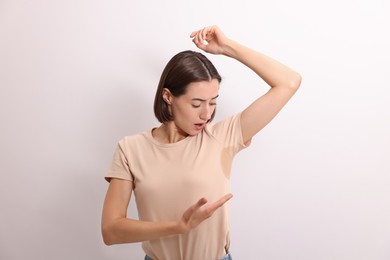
{"points": [[274, 73], [129, 230], [118, 229]]}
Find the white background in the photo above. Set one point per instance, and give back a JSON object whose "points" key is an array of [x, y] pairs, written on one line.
{"points": [[78, 75]]}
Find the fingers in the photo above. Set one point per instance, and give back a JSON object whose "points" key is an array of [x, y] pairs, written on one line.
{"points": [[193, 34], [202, 36], [201, 211], [210, 39], [209, 209], [198, 40], [219, 203], [201, 202], [205, 31], [195, 207]]}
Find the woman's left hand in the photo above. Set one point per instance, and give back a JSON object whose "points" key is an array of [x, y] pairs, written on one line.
{"points": [[210, 39]]}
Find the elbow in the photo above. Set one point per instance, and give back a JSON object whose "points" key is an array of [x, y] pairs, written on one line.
{"points": [[107, 241], [107, 236], [295, 82]]}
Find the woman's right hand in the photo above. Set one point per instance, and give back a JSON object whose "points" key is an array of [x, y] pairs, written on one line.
{"points": [[200, 211]]}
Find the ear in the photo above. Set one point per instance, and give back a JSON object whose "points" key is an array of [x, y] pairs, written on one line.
{"points": [[167, 96]]}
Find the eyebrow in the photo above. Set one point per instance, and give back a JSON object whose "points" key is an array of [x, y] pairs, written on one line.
{"points": [[199, 99]]}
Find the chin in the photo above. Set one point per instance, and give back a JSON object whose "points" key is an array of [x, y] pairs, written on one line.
{"points": [[193, 132], [197, 132]]}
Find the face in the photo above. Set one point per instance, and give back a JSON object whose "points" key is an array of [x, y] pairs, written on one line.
{"points": [[192, 110]]}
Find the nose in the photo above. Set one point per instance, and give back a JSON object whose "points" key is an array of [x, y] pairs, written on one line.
{"points": [[206, 113]]}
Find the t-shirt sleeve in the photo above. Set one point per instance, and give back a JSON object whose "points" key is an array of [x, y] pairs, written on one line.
{"points": [[228, 132], [119, 166]]}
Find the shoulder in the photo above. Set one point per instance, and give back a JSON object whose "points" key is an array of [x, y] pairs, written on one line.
{"points": [[228, 132], [129, 141], [231, 123]]}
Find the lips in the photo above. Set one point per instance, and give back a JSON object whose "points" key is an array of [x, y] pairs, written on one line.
{"points": [[199, 126]]}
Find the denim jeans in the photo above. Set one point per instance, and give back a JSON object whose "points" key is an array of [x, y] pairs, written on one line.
{"points": [[226, 257]]}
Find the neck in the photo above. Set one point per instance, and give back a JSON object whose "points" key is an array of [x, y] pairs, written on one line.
{"points": [[168, 133]]}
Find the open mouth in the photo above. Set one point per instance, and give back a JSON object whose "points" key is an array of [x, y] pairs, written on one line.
{"points": [[199, 126]]}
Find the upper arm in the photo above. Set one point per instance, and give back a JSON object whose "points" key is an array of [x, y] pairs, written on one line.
{"points": [[116, 201], [264, 109]]}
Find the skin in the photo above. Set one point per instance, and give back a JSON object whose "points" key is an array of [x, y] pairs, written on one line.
{"points": [[191, 111], [195, 107]]}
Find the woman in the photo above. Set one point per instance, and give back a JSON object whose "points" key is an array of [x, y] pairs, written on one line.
{"points": [[175, 169]]}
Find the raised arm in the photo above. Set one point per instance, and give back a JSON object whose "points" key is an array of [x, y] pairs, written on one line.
{"points": [[283, 81], [118, 229]]}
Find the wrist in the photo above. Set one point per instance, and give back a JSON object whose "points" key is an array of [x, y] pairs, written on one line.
{"points": [[181, 228], [230, 48]]}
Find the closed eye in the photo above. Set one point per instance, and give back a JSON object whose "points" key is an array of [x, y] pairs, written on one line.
{"points": [[197, 106]]}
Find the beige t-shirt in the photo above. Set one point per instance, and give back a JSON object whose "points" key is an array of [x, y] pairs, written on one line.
{"points": [[169, 178]]}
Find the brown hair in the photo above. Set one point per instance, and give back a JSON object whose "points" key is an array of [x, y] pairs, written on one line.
{"points": [[184, 68]]}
